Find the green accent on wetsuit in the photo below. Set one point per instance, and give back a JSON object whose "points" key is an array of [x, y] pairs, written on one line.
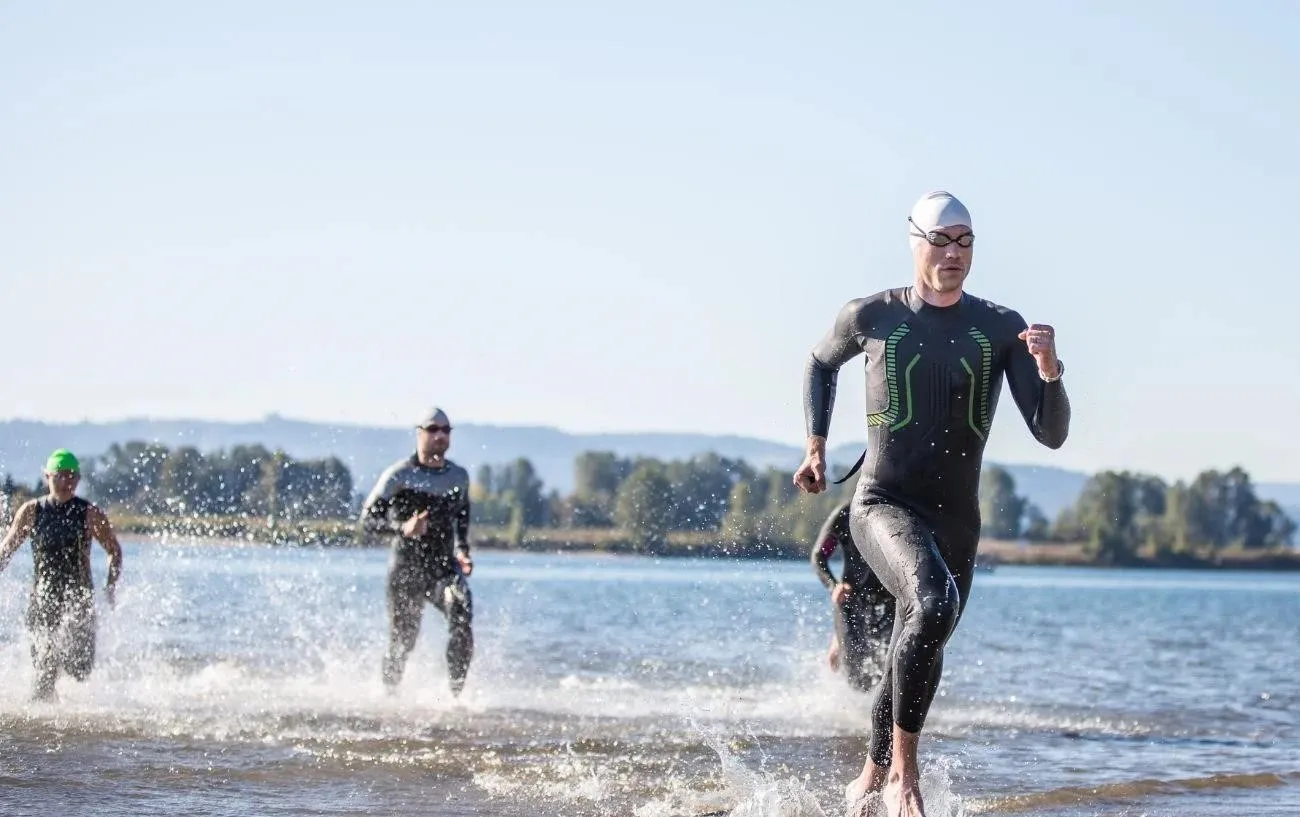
{"points": [[915, 515], [62, 460], [890, 414], [907, 382], [929, 453], [970, 407], [986, 366]]}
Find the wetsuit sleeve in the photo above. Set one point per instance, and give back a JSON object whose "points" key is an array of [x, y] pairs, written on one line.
{"points": [[1045, 406], [377, 511], [822, 549], [840, 345], [462, 520]]}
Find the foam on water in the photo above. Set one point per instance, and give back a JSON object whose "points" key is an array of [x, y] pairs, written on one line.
{"points": [[600, 689]]}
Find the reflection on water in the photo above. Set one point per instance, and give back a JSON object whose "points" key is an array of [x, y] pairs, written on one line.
{"points": [[245, 680]]}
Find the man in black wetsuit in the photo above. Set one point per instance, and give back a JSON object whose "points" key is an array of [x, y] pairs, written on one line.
{"points": [[862, 608], [422, 502], [61, 609], [935, 361]]}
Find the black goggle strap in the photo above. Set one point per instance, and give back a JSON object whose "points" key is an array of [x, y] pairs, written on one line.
{"points": [[939, 239]]}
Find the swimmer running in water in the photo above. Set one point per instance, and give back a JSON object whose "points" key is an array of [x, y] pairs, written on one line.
{"points": [[422, 502], [61, 609], [936, 357], [862, 608]]}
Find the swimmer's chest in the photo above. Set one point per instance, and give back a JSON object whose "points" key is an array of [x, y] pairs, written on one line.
{"points": [[61, 535], [429, 490], [921, 366]]}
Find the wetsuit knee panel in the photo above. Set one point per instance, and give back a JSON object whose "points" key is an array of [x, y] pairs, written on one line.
{"points": [[937, 613]]}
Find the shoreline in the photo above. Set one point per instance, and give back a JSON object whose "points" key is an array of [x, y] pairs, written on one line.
{"points": [[679, 545]]}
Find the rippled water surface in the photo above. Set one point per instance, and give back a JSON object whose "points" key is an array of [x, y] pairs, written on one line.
{"points": [[245, 681]]}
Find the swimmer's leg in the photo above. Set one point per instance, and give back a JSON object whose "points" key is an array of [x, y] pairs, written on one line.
{"points": [[78, 640], [903, 552], [405, 599], [456, 602]]}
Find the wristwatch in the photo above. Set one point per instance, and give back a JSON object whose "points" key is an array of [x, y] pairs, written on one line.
{"points": [[1060, 370]]}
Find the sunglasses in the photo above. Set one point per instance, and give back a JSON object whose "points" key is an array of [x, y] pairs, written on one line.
{"points": [[435, 428], [938, 239]]}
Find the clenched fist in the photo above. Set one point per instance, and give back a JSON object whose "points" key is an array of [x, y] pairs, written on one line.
{"points": [[1041, 340]]}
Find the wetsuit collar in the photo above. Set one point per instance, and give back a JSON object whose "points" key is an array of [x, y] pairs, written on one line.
{"points": [[917, 304], [415, 461]]}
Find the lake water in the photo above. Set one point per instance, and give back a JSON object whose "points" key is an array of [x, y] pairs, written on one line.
{"points": [[245, 681]]}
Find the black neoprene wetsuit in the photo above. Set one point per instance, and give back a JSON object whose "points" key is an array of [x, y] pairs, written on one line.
{"points": [[865, 616], [61, 608], [425, 568], [933, 377]]}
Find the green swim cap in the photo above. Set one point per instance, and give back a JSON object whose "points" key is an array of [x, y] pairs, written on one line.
{"points": [[62, 460]]}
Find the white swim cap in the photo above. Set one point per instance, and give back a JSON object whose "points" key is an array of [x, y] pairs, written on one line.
{"points": [[935, 210]]}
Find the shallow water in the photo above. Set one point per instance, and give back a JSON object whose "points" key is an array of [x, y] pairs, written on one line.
{"points": [[244, 681]]}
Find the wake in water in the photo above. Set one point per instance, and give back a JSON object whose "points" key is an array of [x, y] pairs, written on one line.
{"points": [[668, 690], [722, 785]]}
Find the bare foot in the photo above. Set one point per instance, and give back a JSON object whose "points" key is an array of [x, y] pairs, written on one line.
{"points": [[864, 787], [903, 798], [870, 805]]}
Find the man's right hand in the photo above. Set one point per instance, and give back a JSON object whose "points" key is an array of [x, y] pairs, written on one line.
{"points": [[839, 592], [811, 476], [416, 526]]}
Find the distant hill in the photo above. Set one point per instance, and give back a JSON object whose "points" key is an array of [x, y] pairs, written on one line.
{"points": [[367, 450]]}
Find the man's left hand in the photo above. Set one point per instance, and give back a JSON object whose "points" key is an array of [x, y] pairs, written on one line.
{"points": [[1041, 340], [466, 563]]}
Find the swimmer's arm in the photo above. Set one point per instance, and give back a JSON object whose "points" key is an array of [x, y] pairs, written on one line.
{"points": [[21, 528], [376, 511], [462, 522], [102, 530], [840, 345], [1045, 406], [823, 547]]}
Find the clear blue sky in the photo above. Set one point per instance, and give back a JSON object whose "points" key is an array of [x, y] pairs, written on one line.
{"points": [[641, 217]]}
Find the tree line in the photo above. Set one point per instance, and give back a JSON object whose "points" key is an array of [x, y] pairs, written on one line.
{"points": [[1117, 517], [1121, 515], [247, 480], [647, 499]]}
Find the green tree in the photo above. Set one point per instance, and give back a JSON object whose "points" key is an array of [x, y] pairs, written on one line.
{"points": [[520, 486], [1116, 513], [1106, 511], [643, 507], [1036, 527], [739, 526], [598, 474], [269, 497], [1220, 509], [1001, 509], [128, 475], [182, 483]]}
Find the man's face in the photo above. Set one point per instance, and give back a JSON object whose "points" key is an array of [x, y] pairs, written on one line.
{"points": [[433, 439], [944, 269], [63, 484]]}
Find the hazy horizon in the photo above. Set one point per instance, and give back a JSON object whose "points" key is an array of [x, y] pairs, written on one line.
{"points": [[834, 444]]}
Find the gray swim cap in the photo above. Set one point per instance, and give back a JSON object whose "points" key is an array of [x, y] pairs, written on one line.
{"points": [[936, 210], [433, 417]]}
